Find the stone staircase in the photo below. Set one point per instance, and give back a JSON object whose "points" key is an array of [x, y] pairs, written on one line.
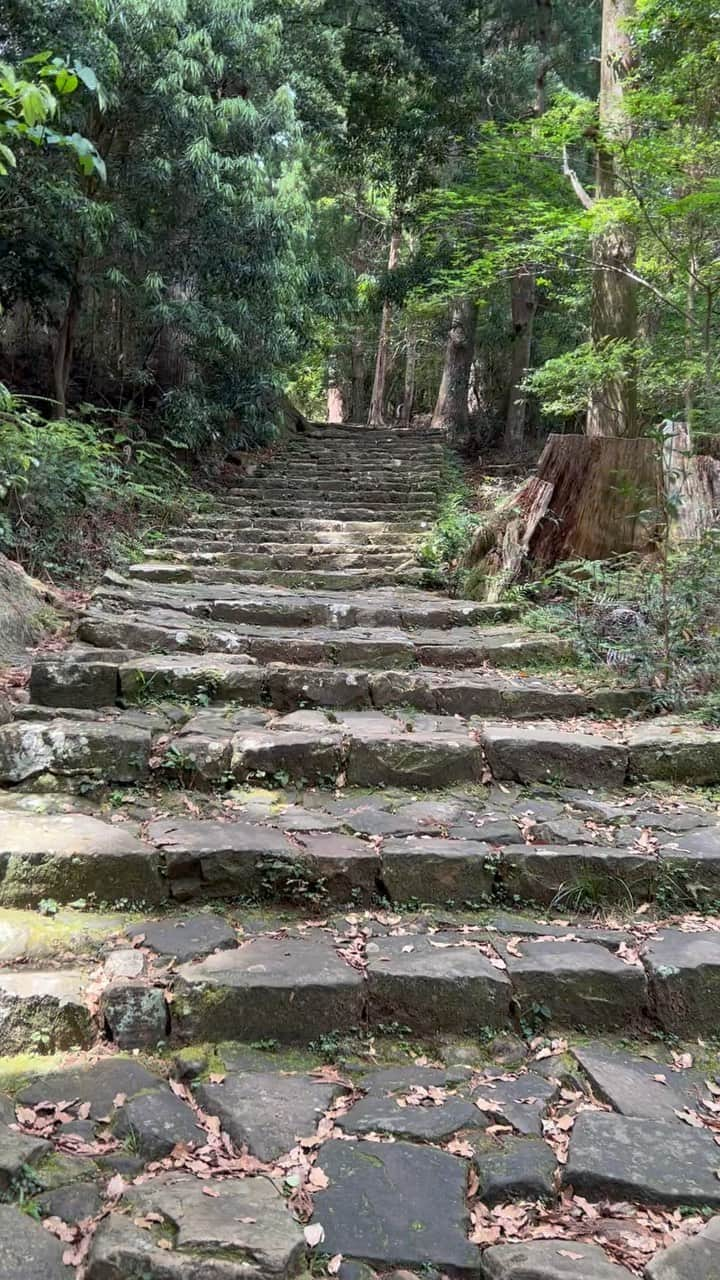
{"points": [[341, 927]]}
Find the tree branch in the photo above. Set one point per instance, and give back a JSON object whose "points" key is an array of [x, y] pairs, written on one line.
{"points": [[586, 200]]}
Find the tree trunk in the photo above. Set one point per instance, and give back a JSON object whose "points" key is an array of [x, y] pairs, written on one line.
{"points": [[410, 367], [335, 396], [64, 348], [588, 501], [376, 416], [613, 406], [451, 408], [357, 378], [523, 304]]}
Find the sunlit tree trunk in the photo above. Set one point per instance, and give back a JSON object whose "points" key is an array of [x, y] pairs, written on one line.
{"points": [[410, 369], [451, 407], [523, 305], [376, 416], [613, 406], [357, 378], [335, 396]]}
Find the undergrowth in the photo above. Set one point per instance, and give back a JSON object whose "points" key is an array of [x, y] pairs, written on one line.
{"points": [[74, 492], [654, 624], [443, 550]]}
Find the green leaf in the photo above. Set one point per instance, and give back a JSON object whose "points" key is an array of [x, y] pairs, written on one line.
{"points": [[66, 81], [88, 77]]}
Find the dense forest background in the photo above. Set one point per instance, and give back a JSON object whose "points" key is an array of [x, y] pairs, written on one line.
{"points": [[501, 217]]}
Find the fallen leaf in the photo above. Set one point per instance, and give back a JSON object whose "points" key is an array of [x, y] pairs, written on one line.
{"points": [[314, 1234]]}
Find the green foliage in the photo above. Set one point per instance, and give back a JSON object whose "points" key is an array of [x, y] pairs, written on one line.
{"points": [[449, 539], [30, 97], [68, 487], [649, 623]]}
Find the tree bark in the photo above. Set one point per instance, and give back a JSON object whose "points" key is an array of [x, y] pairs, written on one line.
{"points": [[523, 305], [376, 416], [613, 406], [335, 396], [410, 368], [357, 378], [589, 500], [451, 407], [64, 348]]}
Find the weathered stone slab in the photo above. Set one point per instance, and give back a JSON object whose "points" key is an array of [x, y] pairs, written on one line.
{"points": [[637, 1086], [107, 749], [49, 1005], [215, 677], [216, 857], [308, 756], [649, 1161], [27, 1251], [515, 1169], [536, 755], [73, 1203], [285, 989], [71, 856], [697, 1258], [550, 1260], [684, 976], [190, 938], [414, 760], [71, 683], [99, 1084], [156, 1122], [369, 1215], [338, 868], [434, 870], [136, 1015], [244, 1232], [674, 751], [539, 873], [16, 1151], [426, 982], [289, 687], [580, 984], [268, 1110], [522, 1102]]}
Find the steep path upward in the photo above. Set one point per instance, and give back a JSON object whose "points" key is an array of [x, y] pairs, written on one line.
{"points": [[279, 806]]}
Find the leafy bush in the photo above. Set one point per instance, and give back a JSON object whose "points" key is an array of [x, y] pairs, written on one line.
{"points": [[69, 487], [650, 623], [450, 537]]}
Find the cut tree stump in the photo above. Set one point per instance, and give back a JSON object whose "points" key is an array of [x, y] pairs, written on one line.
{"points": [[592, 497]]}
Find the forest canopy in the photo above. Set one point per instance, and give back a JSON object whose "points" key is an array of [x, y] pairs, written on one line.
{"points": [[501, 215]]}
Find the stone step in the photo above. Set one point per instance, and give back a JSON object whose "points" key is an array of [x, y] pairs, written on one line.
{"points": [[449, 853], [363, 491], [340, 580], [328, 558], [379, 648], [90, 678], [265, 606], [273, 543], [313, 526], [303, 985]]}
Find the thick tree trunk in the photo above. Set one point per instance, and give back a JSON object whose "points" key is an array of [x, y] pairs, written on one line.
{"points": [[613, 406], [64, 348], [410, 368], [523, 304], [588, 501], [357, 379], [376, 416], [692, 485], [451, 408]]}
